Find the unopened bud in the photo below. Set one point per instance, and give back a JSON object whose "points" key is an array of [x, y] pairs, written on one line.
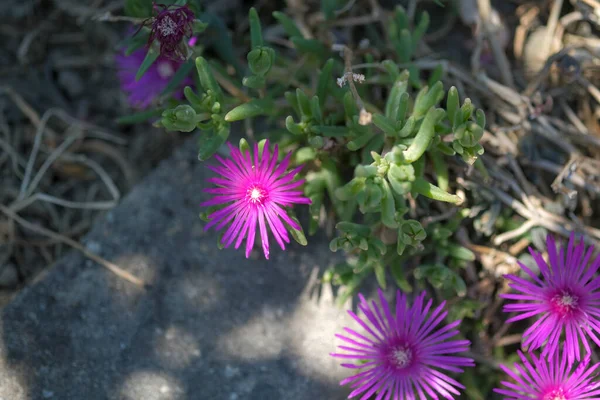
{"points": [[260, 60], [181, 118]]}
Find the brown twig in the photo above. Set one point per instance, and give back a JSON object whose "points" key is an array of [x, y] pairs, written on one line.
{"points": [[551, 27], [565, 172], [109, 17], [485, 10], [375, 16], [573, 178], [365, 116], [25, 108], [522, 230], [508, 340], [230, 87], [121, 273]]}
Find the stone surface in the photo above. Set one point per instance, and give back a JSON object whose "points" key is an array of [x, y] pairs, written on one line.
{"points": [[9, 277], [213, 325]]}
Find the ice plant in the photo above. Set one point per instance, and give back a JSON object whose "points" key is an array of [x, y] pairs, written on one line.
{"points": [[565, 299], [402, 354], [141, 94], [254, 191], [171, 26], [555, 379]]}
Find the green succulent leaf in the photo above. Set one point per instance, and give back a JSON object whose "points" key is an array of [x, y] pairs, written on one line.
{"points": [[209, 142], [151, 57], [252, 108], [379, 269], [288, 24], [255, 28], [207, 80]]}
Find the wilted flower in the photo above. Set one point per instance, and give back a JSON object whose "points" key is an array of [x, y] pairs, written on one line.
{"points": [[550, 380], [254, 191], [142, 93], [565, 299], [401, 355], [171, 26]]}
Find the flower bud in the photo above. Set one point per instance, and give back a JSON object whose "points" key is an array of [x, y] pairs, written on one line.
{"points": [[260, 60], [181, 118]]}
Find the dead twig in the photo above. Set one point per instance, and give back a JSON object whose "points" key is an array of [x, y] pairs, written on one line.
{"points": [[365, 116], [522, 230], [566, 171], [109, 17], [230, 87], [121, 273], [25, 108], [551, 27], [573, 178], [485, 9], [508, 340]]}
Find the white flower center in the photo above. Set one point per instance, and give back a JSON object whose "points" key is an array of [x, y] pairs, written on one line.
{"points": [[401, 356], [165, 70], [167, 26], [256, 195], [568, 300]]}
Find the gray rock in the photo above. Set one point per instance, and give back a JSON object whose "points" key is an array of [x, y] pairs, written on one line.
{"points": [[9, 277], [213, 325]]}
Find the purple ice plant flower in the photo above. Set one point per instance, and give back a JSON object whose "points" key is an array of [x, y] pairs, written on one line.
{"points": [[566, 298], [170, 27], [556, 379], [402, 355], [254, 190], [141, 94]]}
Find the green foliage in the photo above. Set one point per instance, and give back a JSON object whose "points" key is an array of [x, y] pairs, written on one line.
{"points": [[467, 126], [143, 8], [203, 111], [328, 7], [402, 37], [138, 8], [260, 58], [374, 164], [380, 138]]}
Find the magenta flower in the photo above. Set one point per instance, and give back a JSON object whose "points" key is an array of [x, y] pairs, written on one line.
{"points": [[550, 380], [254, 191], [565, 299], [170, 27], [403, 354], [141, 94]]}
